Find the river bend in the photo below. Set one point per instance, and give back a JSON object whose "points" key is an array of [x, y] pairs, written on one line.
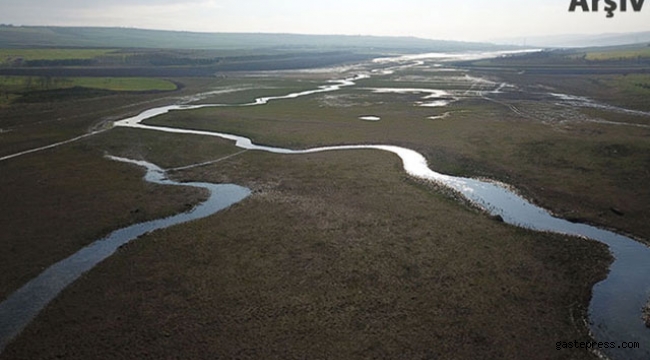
{"points": [[25, 303], [615, 308]]}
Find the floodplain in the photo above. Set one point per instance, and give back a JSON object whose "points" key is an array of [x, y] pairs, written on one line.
{"points": [[336, 254]]}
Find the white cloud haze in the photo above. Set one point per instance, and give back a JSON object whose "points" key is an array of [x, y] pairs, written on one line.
{"points": [[437, 19]]}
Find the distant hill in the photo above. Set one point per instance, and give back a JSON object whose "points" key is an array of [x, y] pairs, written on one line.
{"points": [[577, 40], [37, 36]]}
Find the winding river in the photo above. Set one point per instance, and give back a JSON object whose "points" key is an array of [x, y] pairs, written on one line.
{"points": [[614, 311], [25, 303], [615, 308]]}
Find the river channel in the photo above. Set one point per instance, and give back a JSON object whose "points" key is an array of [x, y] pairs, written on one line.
{"points": [[615, 308], [25, 303], [614, 311]]}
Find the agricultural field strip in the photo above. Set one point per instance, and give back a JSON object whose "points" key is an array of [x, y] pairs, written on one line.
{"points": [[9, 55], [615, 55], [21, 84]]}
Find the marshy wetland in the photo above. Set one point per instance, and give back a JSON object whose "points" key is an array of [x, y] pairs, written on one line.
{"points": [[343, 254]]}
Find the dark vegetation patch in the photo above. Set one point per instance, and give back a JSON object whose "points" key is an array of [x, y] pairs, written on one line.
{"points": [[627, 56], [35, 124], [50, 89], [155, 67], [581, 171], [337, 255], [61, 62], [58, 201], [73, 93], [163, 149]]}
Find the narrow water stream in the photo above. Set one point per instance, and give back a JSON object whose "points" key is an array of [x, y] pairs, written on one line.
{"points": [[25, 303], [615, 308], [614, 311]]}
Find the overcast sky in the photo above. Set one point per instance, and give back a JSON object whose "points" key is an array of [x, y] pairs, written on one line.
{"points": [[471, 20]]}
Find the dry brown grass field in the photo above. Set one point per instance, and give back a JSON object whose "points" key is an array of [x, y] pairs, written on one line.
{"points": [[335, 255]]}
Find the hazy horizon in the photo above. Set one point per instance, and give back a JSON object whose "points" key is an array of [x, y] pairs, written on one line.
{"points": [[470, 20]]}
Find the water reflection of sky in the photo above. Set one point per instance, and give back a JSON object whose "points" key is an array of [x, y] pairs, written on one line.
{"points": [[615, 309]]}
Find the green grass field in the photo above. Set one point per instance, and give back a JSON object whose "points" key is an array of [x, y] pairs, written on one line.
{"points": [[620, 54], [634, 84], [9, 55], [33, 83]]}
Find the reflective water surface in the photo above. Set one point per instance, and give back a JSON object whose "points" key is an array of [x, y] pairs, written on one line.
{"points": [[615, 308], [25, 303]]}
